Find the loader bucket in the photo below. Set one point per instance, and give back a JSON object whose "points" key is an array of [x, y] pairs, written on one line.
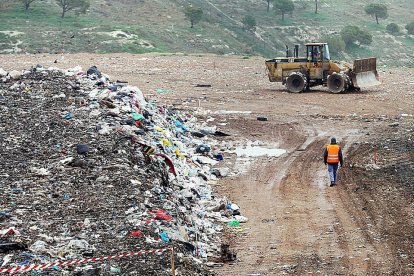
{"points": [[365, 72]]}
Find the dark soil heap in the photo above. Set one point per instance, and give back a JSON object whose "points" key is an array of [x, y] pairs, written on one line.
{"points": [[380, 183]]}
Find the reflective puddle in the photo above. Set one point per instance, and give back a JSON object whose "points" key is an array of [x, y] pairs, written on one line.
{"points": [[258, 151]]}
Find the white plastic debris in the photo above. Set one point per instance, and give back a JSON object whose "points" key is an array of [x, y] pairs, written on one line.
{"points": [[16, 75]]}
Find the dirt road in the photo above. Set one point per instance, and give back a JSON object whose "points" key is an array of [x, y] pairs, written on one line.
{"points": [[297, 224]]}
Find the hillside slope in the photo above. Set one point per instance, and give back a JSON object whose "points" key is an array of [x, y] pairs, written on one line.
{"points": [[138, 26]]}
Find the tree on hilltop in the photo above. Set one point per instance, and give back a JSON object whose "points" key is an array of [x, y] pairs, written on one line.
{"points": [[73, 5], [377, 11], [27, 3], [268, 4], [193, 14], [283, 7]]}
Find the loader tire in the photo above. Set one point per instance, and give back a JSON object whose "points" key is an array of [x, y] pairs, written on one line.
{"points": [[338, 82], [296, 82]]}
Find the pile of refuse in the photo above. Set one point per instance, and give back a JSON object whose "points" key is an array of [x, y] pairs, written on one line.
{"points": [[89, 168]]}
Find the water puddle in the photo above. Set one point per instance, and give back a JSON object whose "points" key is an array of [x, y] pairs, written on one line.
{"points": [[225, 112], [258, 151]]}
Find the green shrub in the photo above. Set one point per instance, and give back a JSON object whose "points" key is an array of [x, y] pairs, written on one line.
{"points": [[352, 34], [377, 11], [249, 23], [4, 37], [364, 38], [336, 44], [410, 28], [393, 28]]}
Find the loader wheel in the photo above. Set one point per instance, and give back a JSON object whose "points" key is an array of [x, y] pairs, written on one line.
{"points": [[296, 82], [338, 83]]}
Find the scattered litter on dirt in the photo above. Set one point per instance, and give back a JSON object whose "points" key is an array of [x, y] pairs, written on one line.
{"points": [[203, 85], [162, 91], [261, 118]]}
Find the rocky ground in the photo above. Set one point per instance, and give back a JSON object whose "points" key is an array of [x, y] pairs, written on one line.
{"points": [[297, 224]]}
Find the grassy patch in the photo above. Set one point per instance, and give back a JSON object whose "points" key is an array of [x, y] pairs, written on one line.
{"points": [[320, 17], [163, 25], [408, 41], [360, 52], [4, 38]]}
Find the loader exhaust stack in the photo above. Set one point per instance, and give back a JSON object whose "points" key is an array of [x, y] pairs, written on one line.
{"points": [[296, 51]]}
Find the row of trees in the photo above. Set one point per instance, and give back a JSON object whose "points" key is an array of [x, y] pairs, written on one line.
{"points": [[194, 14], [287, 6], [349, 35], [283, 7], [79, 6]]}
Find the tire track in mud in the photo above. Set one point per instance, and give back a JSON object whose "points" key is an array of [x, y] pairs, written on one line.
{"points": [[295, 152], [310, 242], [298, 224]]}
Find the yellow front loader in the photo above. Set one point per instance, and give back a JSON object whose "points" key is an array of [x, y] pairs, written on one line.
{"points": [[317, 68]]}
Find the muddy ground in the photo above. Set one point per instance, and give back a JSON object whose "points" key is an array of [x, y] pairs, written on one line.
{"points": [[297, 223]]}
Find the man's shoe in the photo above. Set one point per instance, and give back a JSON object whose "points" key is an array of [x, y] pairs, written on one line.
{"points": [[332, 184]]}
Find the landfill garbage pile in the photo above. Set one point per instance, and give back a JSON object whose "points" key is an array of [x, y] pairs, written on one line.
{"points": [[90, 168]]}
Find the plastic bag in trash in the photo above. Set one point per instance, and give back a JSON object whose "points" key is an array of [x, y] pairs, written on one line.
{"points": [[164, 237], [233, 223], [93, 72]]}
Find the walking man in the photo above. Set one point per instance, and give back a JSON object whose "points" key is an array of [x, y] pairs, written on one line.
{"points": [[332, 156]]}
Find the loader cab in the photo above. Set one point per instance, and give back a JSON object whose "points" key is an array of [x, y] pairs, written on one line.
{"points": [[318, 57], [317, 52]]}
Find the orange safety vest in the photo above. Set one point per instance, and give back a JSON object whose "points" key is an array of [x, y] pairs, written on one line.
{"points": [[333, 153]]}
